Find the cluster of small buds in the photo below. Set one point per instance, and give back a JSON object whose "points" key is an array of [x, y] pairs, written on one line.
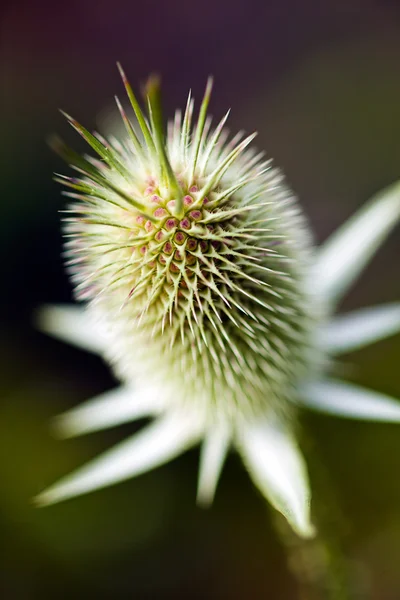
{"points": [[170, 240]]}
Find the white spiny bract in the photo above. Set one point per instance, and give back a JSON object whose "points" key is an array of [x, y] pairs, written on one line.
{"points": [[205, 296]]}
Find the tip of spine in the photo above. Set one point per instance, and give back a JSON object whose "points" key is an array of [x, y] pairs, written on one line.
{"points": [[38, 502], [66, 115], [122, 72], [44, 499], [209, 84], [153, 83]]}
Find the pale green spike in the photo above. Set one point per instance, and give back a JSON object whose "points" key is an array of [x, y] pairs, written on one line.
{"points": [[345, 399], [88, 200], [185, 132], [137, 110], [83, 166], [71, 324], [170, 182], [225, 196], [98, 146], [213, 142], [215, 176], [165, 439], [200, 127], [275, 463], [360, 328], [345, 254], [225, 215], [129, 128], [112, 408]]}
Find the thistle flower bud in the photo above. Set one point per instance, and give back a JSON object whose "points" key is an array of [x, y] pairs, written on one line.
{"points": [[204, 294], [192, 252]]}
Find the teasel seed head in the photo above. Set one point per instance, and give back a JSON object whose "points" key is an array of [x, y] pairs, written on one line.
{"points": [[191, 251]]}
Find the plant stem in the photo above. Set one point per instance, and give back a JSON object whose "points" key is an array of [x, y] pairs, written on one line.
{"points": [[319, 565]]}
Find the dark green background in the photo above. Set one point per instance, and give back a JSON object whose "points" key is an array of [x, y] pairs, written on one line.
{"points": [[322, 87]]}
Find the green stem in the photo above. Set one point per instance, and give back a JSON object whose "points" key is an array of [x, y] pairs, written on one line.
{"points": [[319, 565]]}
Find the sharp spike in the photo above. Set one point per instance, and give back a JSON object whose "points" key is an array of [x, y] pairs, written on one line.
{"points": [[200, 127]]}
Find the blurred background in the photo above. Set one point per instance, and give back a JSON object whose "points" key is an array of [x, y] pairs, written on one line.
{"points": [[321, 84]]}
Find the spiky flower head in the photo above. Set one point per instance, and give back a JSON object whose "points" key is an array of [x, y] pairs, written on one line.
{"points": [[192, 253], [203, 293]]}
